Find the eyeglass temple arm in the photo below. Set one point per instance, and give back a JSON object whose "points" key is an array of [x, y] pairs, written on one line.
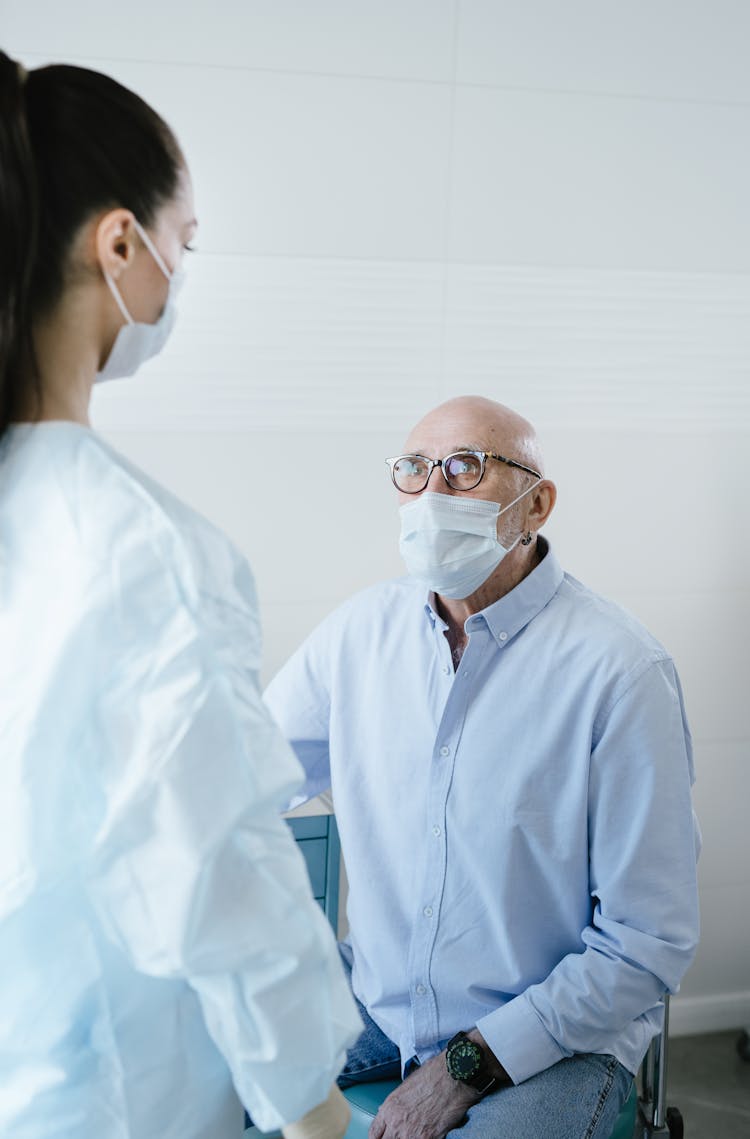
{"points": [[514, 463]]}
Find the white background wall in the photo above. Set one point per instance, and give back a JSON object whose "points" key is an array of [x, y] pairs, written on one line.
{"points": [[403, 200]]}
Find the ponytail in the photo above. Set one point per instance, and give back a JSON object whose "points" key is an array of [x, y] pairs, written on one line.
{"points": [[73, 142], [19, 227]]}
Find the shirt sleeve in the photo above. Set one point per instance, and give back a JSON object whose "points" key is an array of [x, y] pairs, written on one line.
{"points": [[194, 874], [643, 846]]}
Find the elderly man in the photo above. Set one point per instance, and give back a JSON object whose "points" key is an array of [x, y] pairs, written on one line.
{"points": [[511, 769]]}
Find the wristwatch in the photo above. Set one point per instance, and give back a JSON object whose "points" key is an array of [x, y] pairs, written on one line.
{"points": [[466, 1063]]}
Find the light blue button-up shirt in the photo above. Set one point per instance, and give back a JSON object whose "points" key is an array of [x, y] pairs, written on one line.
{"points": [[518, 835]]}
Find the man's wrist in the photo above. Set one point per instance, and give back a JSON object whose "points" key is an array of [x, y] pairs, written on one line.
{"points": [[494, 1066], [473, 1066]]}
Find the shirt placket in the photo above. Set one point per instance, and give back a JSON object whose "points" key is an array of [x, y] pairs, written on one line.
{"points": [[429, 892]]}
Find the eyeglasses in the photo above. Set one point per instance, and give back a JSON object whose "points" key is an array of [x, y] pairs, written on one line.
{"points": [[462, 470]]}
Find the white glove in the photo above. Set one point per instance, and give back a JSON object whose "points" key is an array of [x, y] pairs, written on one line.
{"points": [[329, 1120]]}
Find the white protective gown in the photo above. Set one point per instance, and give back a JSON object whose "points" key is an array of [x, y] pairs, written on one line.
{"points": [[159, 945]]}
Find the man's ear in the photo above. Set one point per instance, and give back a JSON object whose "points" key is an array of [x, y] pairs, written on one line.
{"points": [[114, 241], [543, 499]]}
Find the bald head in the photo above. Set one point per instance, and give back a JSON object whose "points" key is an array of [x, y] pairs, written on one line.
{"points": [[525, 501], [478, 423]]}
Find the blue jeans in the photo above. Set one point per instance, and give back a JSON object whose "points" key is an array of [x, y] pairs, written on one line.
{"points": [[578, 1098]]}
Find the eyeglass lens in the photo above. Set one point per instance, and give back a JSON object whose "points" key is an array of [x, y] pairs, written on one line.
{"points": [[463, 471]]}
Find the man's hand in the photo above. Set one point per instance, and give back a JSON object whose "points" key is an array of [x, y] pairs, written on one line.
{"points": [[427, 1105]]}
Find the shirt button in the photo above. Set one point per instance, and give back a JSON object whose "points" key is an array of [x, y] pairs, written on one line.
{"points": [[447, 670], [445, 750], [503, 636], [421, 990], [427, 911], [437, 832]]}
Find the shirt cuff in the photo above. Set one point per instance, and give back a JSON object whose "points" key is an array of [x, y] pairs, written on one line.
{"points": [[519, 1040]]}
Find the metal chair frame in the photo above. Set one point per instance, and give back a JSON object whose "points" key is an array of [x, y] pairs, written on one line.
{"points": [[654, 1117]]}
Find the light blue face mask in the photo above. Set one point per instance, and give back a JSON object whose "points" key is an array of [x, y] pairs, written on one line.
{"points": [[450, 544], [137, 342]]}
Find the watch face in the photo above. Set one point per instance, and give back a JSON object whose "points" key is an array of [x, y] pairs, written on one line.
{"points": [[464, 1060]]}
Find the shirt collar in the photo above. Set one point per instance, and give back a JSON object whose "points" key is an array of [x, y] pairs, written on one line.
{"points": [[506, 617]]}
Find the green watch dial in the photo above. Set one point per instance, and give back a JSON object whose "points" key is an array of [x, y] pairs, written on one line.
{"points": [[464, 1059]]}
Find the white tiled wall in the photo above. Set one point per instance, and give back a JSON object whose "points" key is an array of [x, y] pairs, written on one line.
{"points": [[597, 181], [402, 200], [673, 49]]}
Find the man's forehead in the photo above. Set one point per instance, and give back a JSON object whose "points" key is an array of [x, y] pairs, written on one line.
{"points": [[448, 447]]}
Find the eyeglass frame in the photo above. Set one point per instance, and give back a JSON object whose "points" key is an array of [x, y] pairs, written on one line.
{"points": [[483, 456]]}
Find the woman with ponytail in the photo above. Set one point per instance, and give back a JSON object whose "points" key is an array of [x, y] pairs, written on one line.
{"points": [[161, 956]]}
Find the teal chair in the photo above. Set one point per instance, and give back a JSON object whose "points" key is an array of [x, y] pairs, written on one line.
{"points": [[318, 840]]}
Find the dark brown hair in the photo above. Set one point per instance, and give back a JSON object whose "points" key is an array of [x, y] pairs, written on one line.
{"points": [[72, 142]]}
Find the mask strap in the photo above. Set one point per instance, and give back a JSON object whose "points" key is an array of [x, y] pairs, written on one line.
{"points": [[152, 249], [157, 258], [518, 499], [520, 537], [118, 298]]}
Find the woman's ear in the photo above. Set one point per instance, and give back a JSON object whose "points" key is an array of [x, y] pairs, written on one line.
{"points": [[115, 241]]}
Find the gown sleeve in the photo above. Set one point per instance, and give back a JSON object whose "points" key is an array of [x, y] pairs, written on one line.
{"points": [[194, 875], [299, 699]]}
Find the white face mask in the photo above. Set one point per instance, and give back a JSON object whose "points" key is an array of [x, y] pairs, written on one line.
{"points": [[450, 544], [137, 342]]}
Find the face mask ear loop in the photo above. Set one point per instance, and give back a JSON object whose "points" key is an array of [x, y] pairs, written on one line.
{"points": [[520, 537], [152, 249], [515, 500], [118, 299]]}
